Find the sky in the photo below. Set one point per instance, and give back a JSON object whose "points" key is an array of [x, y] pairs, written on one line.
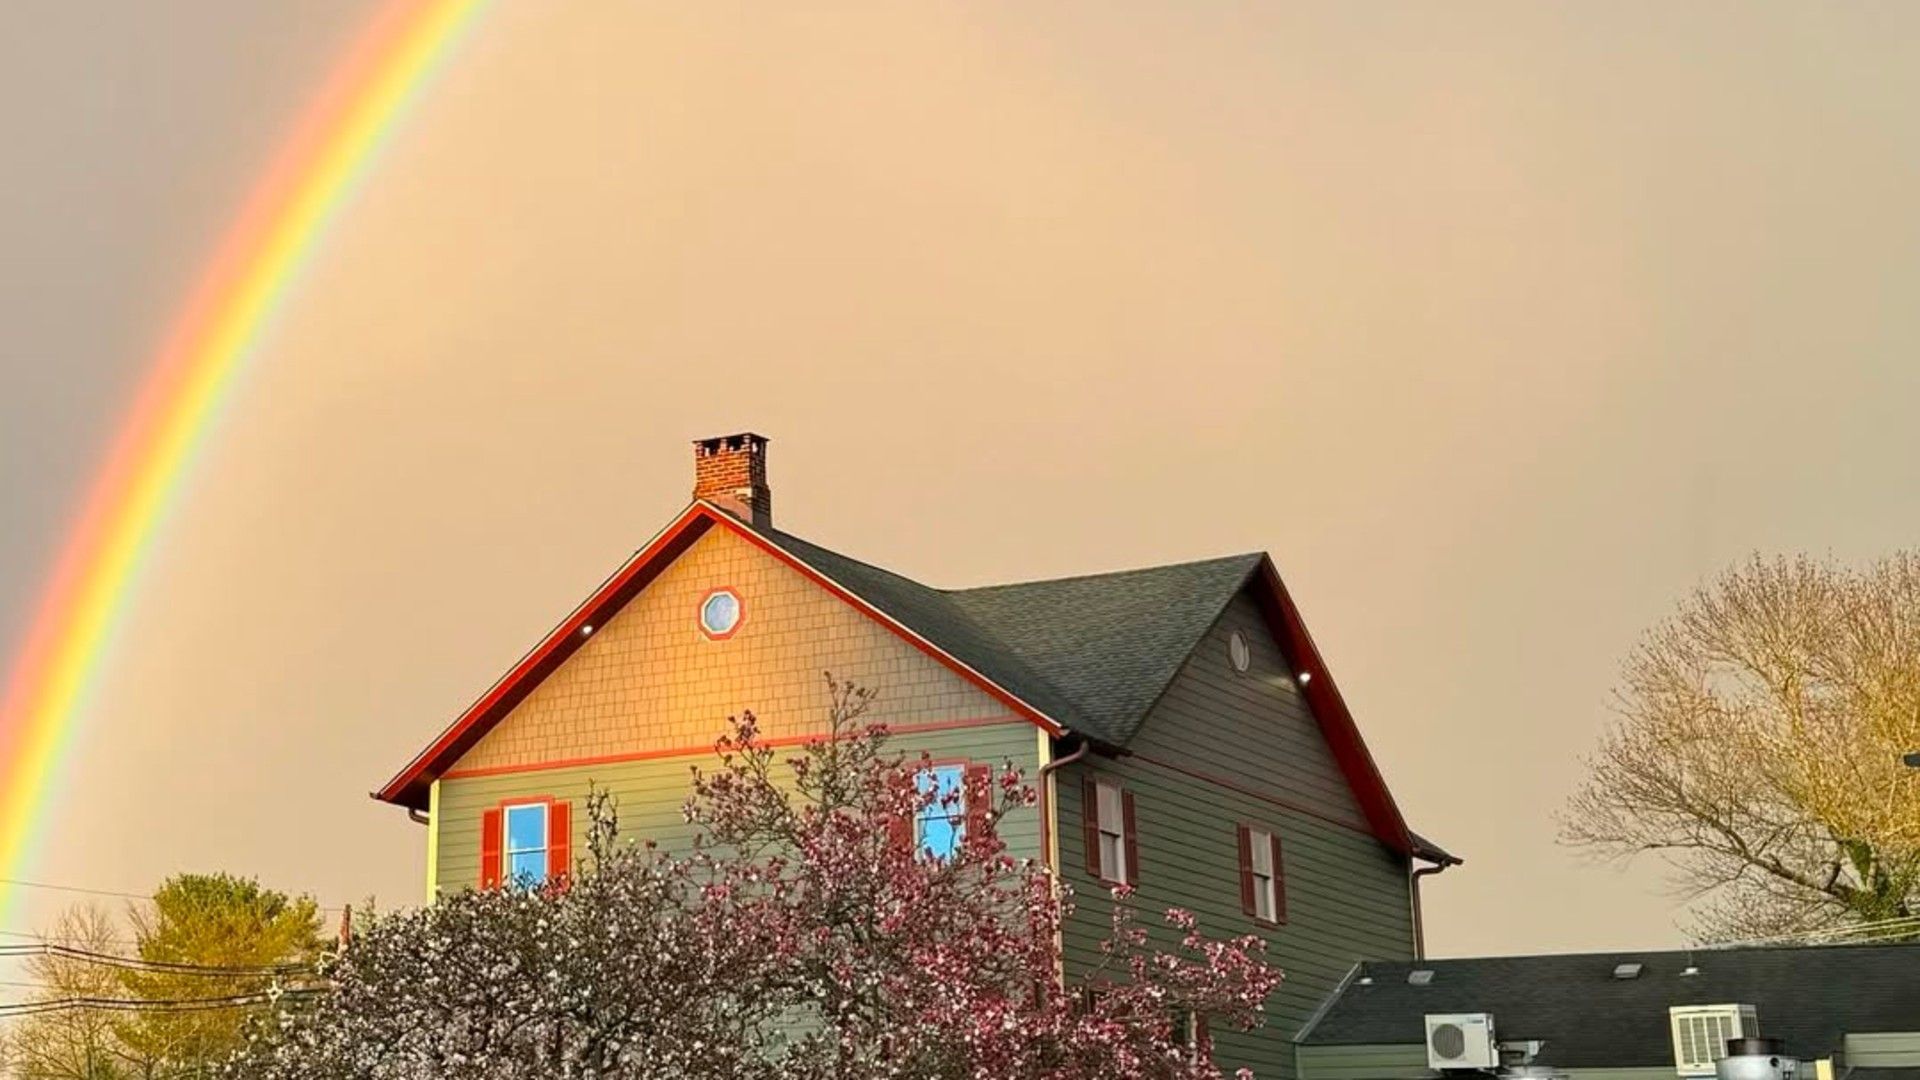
{"points": [[1499, 325]]}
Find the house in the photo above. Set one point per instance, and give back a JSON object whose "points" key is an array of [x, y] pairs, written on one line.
{"points": [[1853, 1010], [1192, 741]]}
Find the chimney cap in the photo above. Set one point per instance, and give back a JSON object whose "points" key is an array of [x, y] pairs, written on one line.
{"points": [[743, 440]]}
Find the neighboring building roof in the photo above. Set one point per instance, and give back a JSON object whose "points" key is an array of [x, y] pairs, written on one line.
{"points": [[1090, 655], [1809, 996]]}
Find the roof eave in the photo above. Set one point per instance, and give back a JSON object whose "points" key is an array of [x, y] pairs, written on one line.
{"points": [[409, 787], [1330, 708]]}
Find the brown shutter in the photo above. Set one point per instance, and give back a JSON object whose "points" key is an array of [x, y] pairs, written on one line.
{"points": [[490, 827], [559, 841], [1279, 883], [1132, 875], [977, 785], [1247, 904], [1202, 1038], [1090, 817]]}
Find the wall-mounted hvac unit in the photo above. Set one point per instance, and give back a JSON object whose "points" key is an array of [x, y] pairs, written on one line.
{"points": [[1700, 1034], [1461, 1041]]}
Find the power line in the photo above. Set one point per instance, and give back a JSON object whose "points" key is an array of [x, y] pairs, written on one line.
{"points": [[29, 936], [163, 967], [12, 1010], [146, 898]]}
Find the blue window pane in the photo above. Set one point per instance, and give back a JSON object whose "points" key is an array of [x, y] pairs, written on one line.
{"points": [[943, 823], [721, 613], [526, 828], [528, 867]]}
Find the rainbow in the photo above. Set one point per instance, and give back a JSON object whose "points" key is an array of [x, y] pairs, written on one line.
{"points": [[208, 344]]}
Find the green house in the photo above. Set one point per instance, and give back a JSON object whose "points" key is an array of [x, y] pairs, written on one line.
{"points": [[1191, 740]]}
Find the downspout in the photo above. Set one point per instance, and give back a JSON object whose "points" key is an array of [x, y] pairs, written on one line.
{"points": [[1419, 921], [1044, 778], [1046, 800], [418, 817]]}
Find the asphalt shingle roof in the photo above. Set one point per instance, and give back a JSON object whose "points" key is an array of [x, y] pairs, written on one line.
{"points": [[1093, 652], [1809, 996]]}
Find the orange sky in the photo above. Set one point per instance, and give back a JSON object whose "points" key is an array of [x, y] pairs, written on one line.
{"points": [[1498, 325]]}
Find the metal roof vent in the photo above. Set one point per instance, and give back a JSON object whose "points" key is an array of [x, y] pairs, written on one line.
{"points": [[1627, 971], [1423, 977]]}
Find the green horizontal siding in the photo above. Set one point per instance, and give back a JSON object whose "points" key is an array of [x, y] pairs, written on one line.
{"points": [[1408, 1061], [1347, 894], [1884, 1049], [649, 795]]}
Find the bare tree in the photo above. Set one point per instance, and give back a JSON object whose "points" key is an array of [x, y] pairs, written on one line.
{"points": [[70, 1044], [1757, 748]]}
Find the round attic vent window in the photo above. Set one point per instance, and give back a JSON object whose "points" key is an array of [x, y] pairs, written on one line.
{"points": [[1238, 652], [720, 613]]}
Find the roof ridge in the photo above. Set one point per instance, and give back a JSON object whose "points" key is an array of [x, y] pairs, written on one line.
{"points": [[1250, 555]]}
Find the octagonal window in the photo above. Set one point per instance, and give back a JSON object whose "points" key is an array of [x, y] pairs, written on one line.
{"points": [[720, 613]]}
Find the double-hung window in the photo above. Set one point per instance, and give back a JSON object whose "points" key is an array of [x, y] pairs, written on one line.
{"points": [[526, 842], [942, 823], [1113, 852], [1263, 876], [526, 854]]}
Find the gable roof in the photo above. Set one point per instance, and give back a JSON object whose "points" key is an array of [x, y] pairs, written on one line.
{"points": [[1089, 655], [1810, 996], [1113, 642]]}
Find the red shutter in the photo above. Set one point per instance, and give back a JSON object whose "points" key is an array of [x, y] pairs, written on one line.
{"points": [[1279, 883], [978, 800], [1246, 870], [1202, 1038], [559, 841], [900, 834], [1132, 874], [490, 825], [1090, 817]]}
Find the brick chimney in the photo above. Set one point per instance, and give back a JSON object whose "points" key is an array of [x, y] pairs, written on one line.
{"points": [[730, 471]]}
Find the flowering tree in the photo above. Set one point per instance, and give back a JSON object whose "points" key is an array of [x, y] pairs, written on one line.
{"points": [[807, 935]]}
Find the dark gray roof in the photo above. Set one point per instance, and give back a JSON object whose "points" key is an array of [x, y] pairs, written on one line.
{"points": [[1809, 996], [1112, 642], [1093, 652]]}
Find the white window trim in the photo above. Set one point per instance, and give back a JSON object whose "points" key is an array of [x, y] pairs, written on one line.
{"points": [[1113, 825], [508, 851], [957, 816], [1266, 888]]}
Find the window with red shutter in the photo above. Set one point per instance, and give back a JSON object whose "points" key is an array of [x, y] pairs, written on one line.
{"points": [[490, 848], [1090, 818], [1279, 882], [979, 796], [559, 841]]}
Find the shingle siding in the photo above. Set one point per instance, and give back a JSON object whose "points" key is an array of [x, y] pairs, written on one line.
{"points": [[650, 681], [1347, 894]]}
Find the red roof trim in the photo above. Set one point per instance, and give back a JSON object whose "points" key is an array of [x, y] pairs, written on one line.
{"points": [[1330, 709], [988, 686], [409, 787]]}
